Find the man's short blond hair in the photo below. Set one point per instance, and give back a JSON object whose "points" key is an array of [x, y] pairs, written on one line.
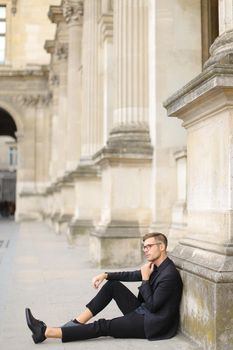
{"points": [[157, 236]]}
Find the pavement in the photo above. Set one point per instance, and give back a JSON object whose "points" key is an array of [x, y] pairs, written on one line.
{"points": [[42, 270]]}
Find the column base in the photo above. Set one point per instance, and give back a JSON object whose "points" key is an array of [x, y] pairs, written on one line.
{"points": [[129, 139], [54, 221], [206, 310], [62, 223], [116, 245], [29, 207], [78, 229]]}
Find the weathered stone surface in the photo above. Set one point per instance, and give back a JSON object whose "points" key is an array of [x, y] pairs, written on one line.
{"points": [[116, 244], [205, 254]]}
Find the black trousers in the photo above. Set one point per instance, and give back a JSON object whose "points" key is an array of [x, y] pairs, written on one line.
{"points": [[131, 325]]}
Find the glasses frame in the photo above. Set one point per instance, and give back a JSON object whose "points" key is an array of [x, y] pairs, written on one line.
{"points": [[148, 246]]}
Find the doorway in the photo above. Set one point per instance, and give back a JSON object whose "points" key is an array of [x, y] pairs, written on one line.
{"points": [[8, 165]]}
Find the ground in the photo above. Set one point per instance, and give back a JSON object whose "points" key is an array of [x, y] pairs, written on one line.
{"points": [[41, 270]]}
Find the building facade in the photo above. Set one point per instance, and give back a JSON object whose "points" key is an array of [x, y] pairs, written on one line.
{"points": [[122, 113]]}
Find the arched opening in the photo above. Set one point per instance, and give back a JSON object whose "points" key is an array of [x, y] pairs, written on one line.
{"points": [[8, 164]]}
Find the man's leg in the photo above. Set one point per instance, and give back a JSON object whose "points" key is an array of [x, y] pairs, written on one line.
{"points": [[128, 326], [85, 316], [124, 298]]}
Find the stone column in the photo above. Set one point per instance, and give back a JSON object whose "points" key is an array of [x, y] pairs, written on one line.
{"points": [[222, 49], [30, 184], [131, 72], [59, 188], [53, 84], [85, 176], [125, 161], [59, 51], [205, 255], [73, 13], [91, 120], [107, 67], [62, 54], [225, 15]]}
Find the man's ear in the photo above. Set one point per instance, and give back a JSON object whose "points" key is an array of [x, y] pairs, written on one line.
{"points": [[162, 247]]}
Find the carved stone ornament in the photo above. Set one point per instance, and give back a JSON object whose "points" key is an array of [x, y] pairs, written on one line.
{"points": [[73, 11], [106, 26], [34, 100], [54, 79], [13, 6], [62, 51], [55, 14]]}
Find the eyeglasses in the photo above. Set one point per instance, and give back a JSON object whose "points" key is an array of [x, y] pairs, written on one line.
{"points": [[148, 246]]}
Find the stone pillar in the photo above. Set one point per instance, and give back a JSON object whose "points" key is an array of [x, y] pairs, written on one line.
{"points": [[42, 150], [131, 38], [58, 79], [62, 137], [91, 120], [53, 124], [26, 174], [107, 67], [125, 203], [85, 176], [31, 177], [221, 51], [60, 186], [73, 13], [178, 227], [225, 15], [205, 255]]}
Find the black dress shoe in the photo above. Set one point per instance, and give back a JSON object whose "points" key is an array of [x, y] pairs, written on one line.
{"points": [[37, 327]]}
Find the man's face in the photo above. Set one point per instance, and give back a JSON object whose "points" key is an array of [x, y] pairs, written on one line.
{"points": [[152, 249]]}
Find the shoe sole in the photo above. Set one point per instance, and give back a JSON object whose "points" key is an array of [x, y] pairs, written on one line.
{"points": [[35, 339], [27, 311]]}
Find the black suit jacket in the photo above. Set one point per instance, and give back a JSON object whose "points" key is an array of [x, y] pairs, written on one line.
{"points": [[161, 296]]}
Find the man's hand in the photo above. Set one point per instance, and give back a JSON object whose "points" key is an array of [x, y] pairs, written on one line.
{"points": [[97, 280], [146, 271]]}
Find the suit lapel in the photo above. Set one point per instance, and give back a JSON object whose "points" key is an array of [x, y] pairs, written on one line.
{"points": [[164, 264]]}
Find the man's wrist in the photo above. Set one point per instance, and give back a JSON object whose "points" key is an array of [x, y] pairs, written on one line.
{"points": [[105, 275]]}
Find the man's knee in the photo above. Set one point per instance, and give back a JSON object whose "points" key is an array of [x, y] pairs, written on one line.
{"points": [[112, 285]]}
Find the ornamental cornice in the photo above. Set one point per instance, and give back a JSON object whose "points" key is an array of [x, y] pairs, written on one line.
{"points": [[73, 11], [55, 14], [24, 72], [49, 46], [34, 100], [62, 51]]}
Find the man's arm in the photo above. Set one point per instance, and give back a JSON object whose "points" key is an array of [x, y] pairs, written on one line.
{"points": [[97, 280], [129, 276]]}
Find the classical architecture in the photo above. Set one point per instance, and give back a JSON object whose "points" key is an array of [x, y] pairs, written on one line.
{"points": [[122, 115]]}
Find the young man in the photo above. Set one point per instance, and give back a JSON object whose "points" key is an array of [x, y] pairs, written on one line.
{"points": [[154, 314]]}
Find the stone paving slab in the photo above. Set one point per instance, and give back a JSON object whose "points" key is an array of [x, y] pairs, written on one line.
{"points": [[40, 270]]}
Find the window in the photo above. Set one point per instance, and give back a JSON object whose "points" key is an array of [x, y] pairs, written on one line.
{"points": [[12, 156], [2, 33]]}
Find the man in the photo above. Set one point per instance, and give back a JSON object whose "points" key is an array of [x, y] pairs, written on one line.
{"points": [[154, 314]]}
